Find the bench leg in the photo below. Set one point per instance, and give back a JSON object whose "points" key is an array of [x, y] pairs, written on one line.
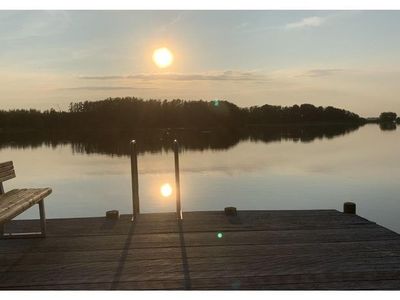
{"points": [[42, 218], [42, 232]]}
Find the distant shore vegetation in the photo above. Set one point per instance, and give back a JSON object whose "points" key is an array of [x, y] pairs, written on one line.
{"points": [[132, 113]]}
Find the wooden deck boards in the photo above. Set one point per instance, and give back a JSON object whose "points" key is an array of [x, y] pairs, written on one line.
{"points": [[312, 249]]}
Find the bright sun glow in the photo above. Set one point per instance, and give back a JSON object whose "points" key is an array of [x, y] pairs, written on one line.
{"points": [[166, 190], [163, 57]]}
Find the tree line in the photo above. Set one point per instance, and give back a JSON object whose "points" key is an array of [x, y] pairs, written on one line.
{"points": [[389, 117], [130, 113]]}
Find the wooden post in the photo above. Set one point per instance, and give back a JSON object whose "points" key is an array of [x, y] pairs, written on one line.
{"points": [[349, 208], [230, 211], [135, 181], [177, 181], [112, 214]]}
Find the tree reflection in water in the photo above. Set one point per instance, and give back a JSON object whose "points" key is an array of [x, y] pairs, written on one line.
{"points": [[153, 141]]}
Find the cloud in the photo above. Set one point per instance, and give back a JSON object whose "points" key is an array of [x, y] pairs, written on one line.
{"points": [[172, 22], [105, 88], [210, 76], [323, 72], [242, 25], [306, 22], [175, 20]]}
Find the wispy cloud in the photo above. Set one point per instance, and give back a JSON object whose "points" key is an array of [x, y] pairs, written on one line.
{"points": [[104, 88], [306, 22], [210, 76], [172, 22], [242, 25], [323, 72], [177, 19]]}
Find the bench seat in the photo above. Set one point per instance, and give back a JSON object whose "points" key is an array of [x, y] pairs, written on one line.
{"points": [[17, 201]]}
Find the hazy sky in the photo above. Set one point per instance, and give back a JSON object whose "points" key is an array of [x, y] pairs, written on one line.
{"points": [[348, 59]]}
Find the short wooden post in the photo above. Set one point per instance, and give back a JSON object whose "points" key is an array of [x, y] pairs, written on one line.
{"points": [[230, 211], [42, 218], [349, 208], [177, 181], [112, 214], [135, 181]]}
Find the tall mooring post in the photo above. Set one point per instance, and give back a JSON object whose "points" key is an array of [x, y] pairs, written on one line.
{"points": [[135, 181], [177, 181]]}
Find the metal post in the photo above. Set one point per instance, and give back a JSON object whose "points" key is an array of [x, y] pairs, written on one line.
{"points": [[177, 181], [135, 181]]}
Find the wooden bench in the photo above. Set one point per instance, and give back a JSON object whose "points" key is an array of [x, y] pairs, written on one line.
{"points": [[17, 201]]}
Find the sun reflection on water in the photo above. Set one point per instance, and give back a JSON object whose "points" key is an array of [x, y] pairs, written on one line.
{"points": [[166, 190]]}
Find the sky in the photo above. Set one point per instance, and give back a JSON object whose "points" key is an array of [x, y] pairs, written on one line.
{"points": [[347, 59]]}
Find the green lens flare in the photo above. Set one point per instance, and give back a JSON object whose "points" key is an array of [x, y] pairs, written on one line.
{"points": [[216, 103], [220, 235]]}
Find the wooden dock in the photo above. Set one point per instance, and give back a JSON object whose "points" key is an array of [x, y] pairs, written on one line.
{"points": [[310, 249]]}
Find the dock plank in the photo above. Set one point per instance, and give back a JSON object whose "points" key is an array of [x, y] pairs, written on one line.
{"points": [[162, 240], [384, 248], [166, 223], [313, 249]]}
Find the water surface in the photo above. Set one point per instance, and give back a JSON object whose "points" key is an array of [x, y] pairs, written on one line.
{"points": [[281, 168]]}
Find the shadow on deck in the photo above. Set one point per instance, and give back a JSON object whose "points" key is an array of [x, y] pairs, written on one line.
{"points": [[309, 249]]}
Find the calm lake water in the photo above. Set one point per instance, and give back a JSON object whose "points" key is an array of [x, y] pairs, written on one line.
{"points": [[304, 168]]}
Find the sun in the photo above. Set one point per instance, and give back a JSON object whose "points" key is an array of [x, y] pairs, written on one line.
{"points": [[163, 57], [166, 190]]}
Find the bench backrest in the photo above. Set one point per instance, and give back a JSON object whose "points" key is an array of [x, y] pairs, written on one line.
{"points": [[6, 171]]}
